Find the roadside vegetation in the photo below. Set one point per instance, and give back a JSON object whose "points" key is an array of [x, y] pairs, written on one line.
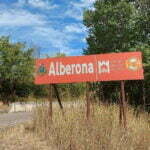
{"points": [[72, 131]]}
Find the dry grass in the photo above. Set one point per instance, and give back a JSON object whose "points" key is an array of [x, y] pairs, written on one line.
{"points": [[74, 132], [21, 138]]}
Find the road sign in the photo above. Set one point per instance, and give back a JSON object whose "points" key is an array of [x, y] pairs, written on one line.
{"points": [[90, 68]]}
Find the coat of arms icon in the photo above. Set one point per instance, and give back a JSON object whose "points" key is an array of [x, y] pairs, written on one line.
{"points": [[42, 70]]}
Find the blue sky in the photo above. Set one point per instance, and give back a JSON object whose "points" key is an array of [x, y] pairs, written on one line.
{"points": [[51, 26]]}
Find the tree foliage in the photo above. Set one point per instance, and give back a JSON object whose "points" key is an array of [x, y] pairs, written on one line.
{"points": [[16, 67], [116, 26], [119, 26]]}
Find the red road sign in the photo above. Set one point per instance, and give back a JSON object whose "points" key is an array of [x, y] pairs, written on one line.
{"points": [[103, 67]]}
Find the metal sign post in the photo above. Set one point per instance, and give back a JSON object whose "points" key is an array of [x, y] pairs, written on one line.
{"points": [[51, 87], [88, 103], [123, 118], [50, 103], [58, 97]]}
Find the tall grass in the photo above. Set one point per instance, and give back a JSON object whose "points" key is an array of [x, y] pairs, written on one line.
{"points": [[73, 132]]}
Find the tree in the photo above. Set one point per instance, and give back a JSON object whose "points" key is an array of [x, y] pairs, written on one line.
{"points": [[16, 67], [111, 26], [143, 20], [118, 26]]}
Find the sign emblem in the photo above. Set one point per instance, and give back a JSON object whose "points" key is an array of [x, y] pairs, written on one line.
{"points": [[42, 70], [133, 64]]}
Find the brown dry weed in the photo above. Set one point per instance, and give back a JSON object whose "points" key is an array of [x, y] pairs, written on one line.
{"points": [[73, 132]]}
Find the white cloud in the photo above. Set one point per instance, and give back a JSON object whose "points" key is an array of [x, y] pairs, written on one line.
{"points": [[75, 28], [41, 4], [83, 3], [56, 38], [76, 9], [84, 40], [13, 17], [74, 13]]}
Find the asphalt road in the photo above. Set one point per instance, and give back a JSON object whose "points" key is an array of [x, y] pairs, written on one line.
{"points": [[12, 119]]}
